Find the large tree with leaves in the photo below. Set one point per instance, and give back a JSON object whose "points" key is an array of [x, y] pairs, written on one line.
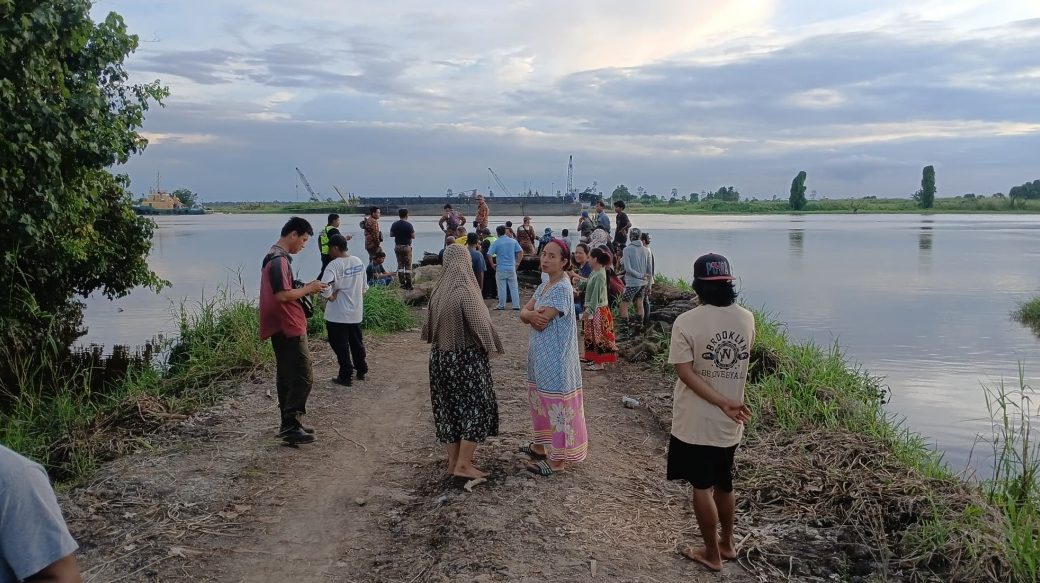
{"points": [[926, 196], [67, 115], [797, 199]]}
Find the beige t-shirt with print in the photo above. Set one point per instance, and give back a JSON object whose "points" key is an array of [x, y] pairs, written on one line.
{"points": [[718, 343]]}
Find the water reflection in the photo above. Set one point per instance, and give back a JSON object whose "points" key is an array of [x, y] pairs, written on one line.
{"points": [[796, 241], [924, 248]]}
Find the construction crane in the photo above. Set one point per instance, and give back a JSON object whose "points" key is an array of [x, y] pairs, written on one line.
{"points": [[347, 198], [307, 185], [499, 182], [570, 176]]}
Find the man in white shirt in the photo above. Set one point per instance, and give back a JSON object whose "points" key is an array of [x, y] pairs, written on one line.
{"points": [[347, 284], [711, 351]]}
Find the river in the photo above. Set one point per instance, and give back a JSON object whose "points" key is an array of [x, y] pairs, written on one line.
{"points": [[923, 301]]}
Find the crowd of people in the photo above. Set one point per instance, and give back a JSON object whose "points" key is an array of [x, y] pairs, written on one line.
{"points": [[580, 284]]}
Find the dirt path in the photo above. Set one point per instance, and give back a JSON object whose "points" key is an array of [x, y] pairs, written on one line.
{"points": [[220, 500]]}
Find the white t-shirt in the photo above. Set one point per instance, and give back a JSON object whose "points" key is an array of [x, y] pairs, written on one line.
{"points": [[718, 343], [346, 276]]}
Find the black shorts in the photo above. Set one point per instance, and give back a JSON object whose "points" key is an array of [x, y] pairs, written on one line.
{"points": [[703, 466]]}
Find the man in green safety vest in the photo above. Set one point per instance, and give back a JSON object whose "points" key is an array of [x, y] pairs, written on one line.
{"points": [[323, 241]]}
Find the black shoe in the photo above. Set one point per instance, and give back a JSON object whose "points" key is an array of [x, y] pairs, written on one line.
{"points": [[344, 381], [295, 435], [361, 376]]}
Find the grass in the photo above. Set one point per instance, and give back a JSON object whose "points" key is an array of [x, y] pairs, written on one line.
{"points": [[385, 313], [63, 418], [1029, 314], [798, 387], [70, 424]]}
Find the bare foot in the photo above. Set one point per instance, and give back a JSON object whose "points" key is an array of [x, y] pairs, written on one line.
{"points": [[468, 471], [727, 551], [701, 556]]}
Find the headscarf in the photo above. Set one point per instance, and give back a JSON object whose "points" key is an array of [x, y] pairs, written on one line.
{"points": [[458, 317]]}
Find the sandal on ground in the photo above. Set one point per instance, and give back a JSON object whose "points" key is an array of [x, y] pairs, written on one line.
{"points": [[541, 467], [594, 367], [529, 450]]}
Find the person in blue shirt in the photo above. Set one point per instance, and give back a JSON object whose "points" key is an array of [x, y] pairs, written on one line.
{"points": [[473, 244], [376, 273], [505, 255]]}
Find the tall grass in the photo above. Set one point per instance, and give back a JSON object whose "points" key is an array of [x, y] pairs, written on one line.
{"points": [[1014, 487], [62, 420], [384, 313]]}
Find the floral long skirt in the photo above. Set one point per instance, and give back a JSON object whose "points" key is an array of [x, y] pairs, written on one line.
{"points": [[598, 334], [558, 420], [462, 392]]}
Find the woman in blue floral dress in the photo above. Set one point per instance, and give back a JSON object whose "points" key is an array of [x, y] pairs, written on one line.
{"points": [[553, 370]]}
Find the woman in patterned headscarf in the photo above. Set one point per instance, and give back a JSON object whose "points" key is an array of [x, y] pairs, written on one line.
{"points": [[553, 373], [462, 389]]}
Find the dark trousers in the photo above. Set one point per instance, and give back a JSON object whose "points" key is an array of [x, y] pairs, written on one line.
{"points": [[293, 376], [325, 260], [346, 342]]}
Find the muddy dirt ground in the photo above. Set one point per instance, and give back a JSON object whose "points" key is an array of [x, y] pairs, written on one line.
{"points": [[217, 498]]}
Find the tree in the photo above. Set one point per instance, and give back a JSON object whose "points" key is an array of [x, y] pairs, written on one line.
{"points": [[67, 114], [621, 193], [188, 198], [926, 196], [694, 197], [725, 193], [797, 199]]}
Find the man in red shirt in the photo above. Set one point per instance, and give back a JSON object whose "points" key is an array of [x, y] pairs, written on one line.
{"points": [[282, 319]]}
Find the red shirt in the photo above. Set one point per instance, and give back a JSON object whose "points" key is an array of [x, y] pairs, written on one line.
{"points": [[277, 316]]}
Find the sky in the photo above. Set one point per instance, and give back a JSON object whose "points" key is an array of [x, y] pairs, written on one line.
{"points": [[415, 97]]}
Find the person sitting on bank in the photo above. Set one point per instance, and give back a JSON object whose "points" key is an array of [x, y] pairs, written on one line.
{"points": [[376, 273], [345, 310]]}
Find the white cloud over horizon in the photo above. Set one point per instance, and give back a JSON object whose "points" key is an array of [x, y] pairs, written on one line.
{"points": [[406, 97]]}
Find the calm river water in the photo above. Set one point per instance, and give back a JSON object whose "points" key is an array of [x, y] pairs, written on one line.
{"points": [[923, 301]]}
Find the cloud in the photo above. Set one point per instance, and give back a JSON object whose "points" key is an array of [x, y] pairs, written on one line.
{"points": [[689, 93]]}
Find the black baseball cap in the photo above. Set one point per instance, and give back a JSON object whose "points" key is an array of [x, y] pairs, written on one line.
{"points": [[712, 267]]}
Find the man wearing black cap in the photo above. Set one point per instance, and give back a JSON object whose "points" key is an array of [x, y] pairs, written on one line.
{"points": [[710, 349]]}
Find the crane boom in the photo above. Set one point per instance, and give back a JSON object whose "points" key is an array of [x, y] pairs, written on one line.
{"points": [[307, 185], [340, 193], [499, 182]]}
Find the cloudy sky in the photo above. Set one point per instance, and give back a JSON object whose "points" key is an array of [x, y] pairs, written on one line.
{"points": [[415, 97]]}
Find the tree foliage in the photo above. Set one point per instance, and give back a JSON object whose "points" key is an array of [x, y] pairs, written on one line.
{"points": [[926, 196], [67, 114], [621, 193], [189, 198], [724, 193], [1024, 192], [797, 199]]}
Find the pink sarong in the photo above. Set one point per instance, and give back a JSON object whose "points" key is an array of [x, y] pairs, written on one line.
{"points": [[558, 420]]}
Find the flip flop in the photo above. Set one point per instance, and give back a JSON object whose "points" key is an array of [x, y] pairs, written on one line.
{"points": [[529, 450], [593, 367], [541, 467]]}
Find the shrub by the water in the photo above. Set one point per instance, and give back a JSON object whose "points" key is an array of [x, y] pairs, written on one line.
{"points": [[65, 421], [1029, 314]]}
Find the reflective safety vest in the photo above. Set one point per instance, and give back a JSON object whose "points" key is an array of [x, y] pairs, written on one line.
{"points": [[323, 240]]}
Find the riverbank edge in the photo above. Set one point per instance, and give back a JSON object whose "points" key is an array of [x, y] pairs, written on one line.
{"points": [[943, 206], [796, 389], [969, 530], [72, 429]]}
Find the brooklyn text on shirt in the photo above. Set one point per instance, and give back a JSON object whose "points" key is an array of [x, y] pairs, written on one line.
{"points": [[726, 349]]}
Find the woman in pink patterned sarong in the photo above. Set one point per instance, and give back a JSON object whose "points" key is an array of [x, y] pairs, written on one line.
{"points": [[553, 370]]}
